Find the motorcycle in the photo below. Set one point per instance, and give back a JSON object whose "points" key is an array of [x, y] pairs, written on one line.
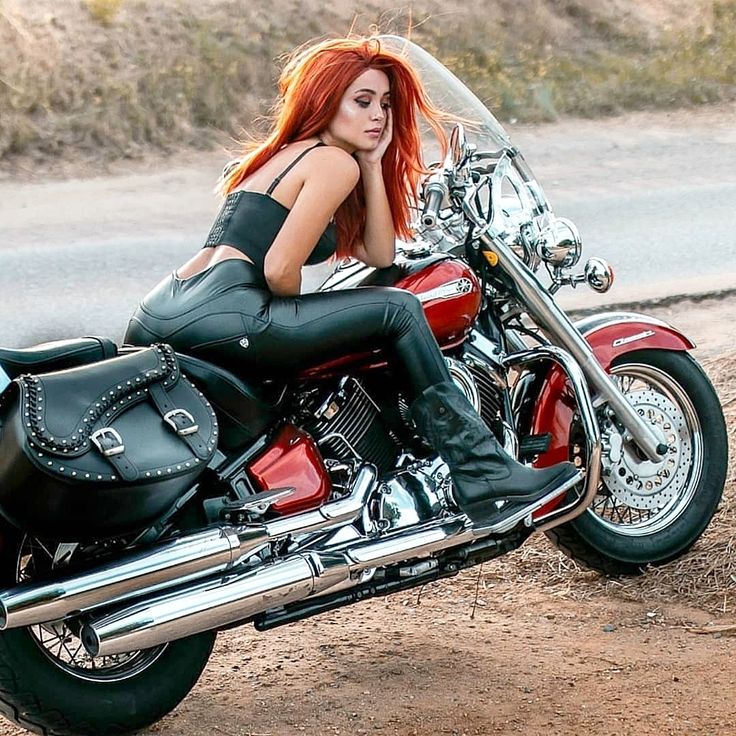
{"points": [[307, 497]]}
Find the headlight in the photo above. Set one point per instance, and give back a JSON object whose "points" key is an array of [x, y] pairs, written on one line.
{"points": [[560, 243]]}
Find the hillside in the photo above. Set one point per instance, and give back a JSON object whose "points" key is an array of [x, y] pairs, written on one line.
{"points": [[106, 79]]}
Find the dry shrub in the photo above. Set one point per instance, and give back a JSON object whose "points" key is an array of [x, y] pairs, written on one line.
{"points": [[103, 11]]}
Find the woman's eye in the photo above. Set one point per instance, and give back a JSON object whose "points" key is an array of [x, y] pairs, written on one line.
{"points": [[363, 103], [386, 105]]}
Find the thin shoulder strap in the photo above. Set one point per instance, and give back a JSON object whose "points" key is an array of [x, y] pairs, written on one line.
{"points": [[276, 181]]}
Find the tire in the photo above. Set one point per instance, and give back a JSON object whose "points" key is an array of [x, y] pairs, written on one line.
{"points": [[627, 528], [44, 691]]}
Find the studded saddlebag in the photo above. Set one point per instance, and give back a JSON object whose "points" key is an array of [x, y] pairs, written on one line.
{"points": [[103, 449]]}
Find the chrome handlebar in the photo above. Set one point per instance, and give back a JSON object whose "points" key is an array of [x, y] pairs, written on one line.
{"points": [[435, 191]]}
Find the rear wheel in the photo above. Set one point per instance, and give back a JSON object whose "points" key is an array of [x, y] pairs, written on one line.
{"points": [[50, 685], [651, 513]]}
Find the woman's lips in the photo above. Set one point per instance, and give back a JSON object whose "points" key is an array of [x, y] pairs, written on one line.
{"points": [[374, 133]]}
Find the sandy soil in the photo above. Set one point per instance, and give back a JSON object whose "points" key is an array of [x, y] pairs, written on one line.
{"points": [[494, 651]]}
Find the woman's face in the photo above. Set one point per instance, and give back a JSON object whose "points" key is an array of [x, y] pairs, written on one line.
{"points": [[361, 116]]}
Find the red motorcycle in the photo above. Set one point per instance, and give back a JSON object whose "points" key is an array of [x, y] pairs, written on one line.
{"points": [[173, 499]]}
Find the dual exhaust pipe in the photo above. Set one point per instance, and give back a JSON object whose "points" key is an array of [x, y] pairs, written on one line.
{"points": [[204, 554], [237, 597], [198, 582]]}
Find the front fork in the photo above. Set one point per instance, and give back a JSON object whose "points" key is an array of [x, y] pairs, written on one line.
{"points": [[561, 331]]}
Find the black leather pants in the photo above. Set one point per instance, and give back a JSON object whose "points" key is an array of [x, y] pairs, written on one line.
{"points": [[227, 315]]}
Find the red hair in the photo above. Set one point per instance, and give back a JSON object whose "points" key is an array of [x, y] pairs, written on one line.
{"points": [[310, 89]]}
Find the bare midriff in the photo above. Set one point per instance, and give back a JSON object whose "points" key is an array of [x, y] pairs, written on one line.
{"points": [[208, 257]]}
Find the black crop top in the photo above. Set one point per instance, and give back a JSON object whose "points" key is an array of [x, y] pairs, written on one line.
{"points": [[250, 222]]}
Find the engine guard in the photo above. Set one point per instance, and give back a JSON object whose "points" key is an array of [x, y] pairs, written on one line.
{"points": [[610, 335]]}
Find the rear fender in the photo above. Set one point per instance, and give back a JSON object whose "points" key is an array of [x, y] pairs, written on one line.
{"points": [[611, 335]]}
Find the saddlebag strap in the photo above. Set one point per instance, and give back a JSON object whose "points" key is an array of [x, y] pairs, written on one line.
{"points": [[110, 445], [180, 421]]}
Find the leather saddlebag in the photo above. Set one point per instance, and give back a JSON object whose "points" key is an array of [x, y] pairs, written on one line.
{"points": [[103, 449]]}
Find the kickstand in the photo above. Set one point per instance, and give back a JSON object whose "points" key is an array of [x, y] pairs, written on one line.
{"points": [[477, 587]]}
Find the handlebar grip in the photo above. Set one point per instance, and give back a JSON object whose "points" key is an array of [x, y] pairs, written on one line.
{"points": [[432, 204]]}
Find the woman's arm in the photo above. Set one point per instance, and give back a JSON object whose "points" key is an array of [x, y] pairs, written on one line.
{"points": [[331, 176], [379, 238]]}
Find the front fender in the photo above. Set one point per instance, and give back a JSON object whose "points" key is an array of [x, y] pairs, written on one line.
{"points": [[614, 333], [610, 335]]}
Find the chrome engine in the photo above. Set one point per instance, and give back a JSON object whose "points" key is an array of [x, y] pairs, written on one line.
{"points": [[420, 492], [349, 425]]}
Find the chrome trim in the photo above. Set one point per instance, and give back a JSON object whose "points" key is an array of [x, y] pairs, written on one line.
{"points": [[526, 514], [590, 428], [553, 320], [560, 243], [331, 515], [421, 542], [598, 275], [205, 553], [178, 560], [236, 597], [590, 325], [463, 379]]}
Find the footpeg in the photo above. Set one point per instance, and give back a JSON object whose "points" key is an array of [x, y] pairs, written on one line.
{"points": [[258, 503]]}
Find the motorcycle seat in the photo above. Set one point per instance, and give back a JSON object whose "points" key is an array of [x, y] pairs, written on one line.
{"points": [[244, 412], [56, 355]]}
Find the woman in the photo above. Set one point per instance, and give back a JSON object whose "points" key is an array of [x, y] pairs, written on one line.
{"points": [[336, 174]]}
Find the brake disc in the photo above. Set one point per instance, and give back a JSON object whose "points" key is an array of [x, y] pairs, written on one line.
{"points": [[638, 482]]}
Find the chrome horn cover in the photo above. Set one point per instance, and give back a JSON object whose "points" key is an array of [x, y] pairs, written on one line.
{"points": [[560, 243]]}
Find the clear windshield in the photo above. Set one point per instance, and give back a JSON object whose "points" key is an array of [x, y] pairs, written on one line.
{"points": [[449, 94]]}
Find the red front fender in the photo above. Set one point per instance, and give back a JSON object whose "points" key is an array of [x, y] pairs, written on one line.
{"points": [[610, 335]]}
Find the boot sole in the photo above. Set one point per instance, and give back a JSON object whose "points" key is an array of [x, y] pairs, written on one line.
{"points": [[505, 519]]}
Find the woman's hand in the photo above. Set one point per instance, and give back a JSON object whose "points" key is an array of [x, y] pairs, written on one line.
{"points": [[375, 156]]}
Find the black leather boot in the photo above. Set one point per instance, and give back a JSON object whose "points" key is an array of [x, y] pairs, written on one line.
{"points": [[490, 485]]}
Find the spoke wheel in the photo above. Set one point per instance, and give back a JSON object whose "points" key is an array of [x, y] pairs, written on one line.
{"points": [[639, 497], [48, 683], [60, 642], [650, 513]]}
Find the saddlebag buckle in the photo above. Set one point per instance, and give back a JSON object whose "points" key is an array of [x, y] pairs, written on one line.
{"points": [[181, 421], [108, 441]]}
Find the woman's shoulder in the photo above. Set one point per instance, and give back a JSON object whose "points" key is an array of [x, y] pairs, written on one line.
{"points": [[334, 161]]}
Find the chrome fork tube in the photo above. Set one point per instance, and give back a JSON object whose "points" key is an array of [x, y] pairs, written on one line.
{"points": [[553, 320]]}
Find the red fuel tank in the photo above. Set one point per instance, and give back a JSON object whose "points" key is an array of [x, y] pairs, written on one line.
{"points": [[451, 296]]}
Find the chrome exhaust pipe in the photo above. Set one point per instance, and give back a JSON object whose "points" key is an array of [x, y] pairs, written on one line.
{"points": [[211, 605], [239, 596], [205, 554]]}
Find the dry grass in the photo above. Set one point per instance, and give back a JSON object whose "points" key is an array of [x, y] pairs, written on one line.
{"points": [[112, 78]]}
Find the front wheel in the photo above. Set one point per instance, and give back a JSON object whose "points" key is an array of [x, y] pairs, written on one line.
{"points": [[50, 685], [650, 513]]}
